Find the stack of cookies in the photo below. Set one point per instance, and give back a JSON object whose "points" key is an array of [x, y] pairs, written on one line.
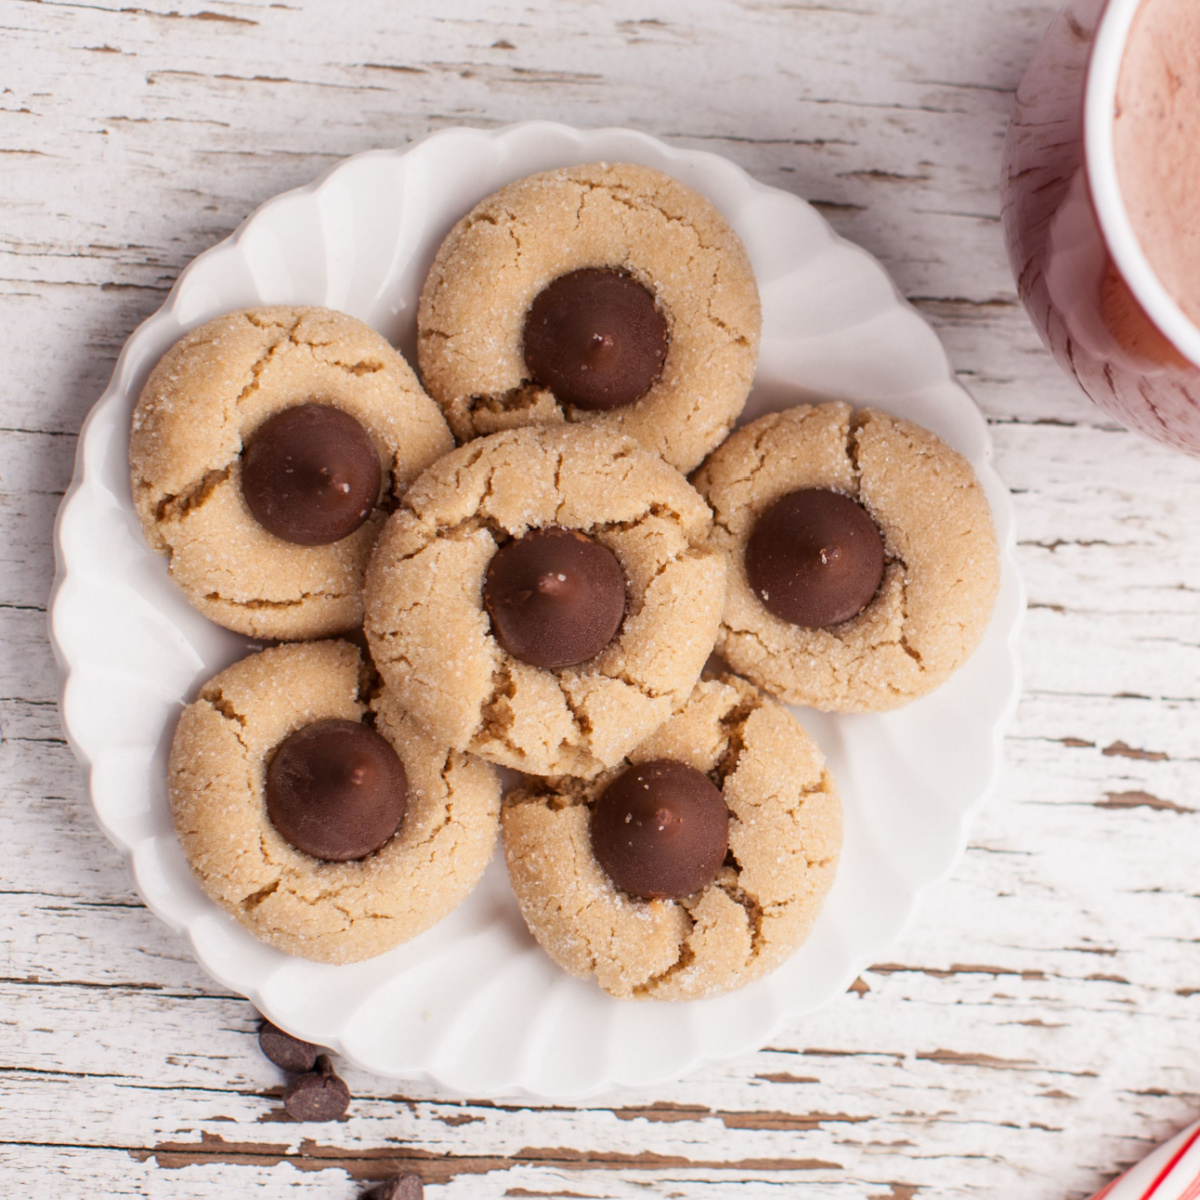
{"points": [[547, 596]]}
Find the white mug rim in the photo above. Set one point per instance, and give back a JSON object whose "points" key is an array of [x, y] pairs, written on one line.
{"points": [[1104, 70]]}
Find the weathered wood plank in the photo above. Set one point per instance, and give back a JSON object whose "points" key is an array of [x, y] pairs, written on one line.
{"points": [[1038, 1026]]}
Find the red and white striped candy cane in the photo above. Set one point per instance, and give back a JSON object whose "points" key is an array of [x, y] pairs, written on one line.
{"points": [[1172, 1172]]}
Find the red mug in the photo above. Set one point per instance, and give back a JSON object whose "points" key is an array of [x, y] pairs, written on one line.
{"points": [[1080, 269]]}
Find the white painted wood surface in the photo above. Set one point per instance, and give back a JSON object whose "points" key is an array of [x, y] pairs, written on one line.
{"points": [[1037, 1028]]}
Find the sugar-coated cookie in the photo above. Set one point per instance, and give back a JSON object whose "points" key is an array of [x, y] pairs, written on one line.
{"points": [[203, 405], [784, 837], [331, 911], [627, 230], [432, 577], [938, 559]]}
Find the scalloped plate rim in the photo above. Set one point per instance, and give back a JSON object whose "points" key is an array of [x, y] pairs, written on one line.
{"points": [[83, 482]]}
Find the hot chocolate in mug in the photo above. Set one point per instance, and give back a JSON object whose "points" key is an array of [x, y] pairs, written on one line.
{"points": [[1100, 185]]}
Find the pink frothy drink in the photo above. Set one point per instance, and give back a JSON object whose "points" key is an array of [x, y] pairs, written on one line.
{"points": [[1101, 192]]}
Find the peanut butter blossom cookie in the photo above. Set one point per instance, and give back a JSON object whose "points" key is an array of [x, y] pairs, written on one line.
{"points": [[693, 867], [332, 827], [608, 294], [863, 564], [266, 447], [544, 597]]}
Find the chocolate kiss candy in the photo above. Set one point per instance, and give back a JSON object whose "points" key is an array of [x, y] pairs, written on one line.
{"points": [[311, 474], [336, 790], [661, 830], [815, 558], [596, 339], [555, 597]]}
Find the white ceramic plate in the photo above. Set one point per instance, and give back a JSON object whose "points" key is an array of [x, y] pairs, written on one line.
{"points": [[473, 1004]]}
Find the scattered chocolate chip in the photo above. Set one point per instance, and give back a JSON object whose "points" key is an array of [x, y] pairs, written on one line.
{"points": [[815, 558], [596, 339], [336, 790], [555, 596], [661, 830], [286, 1051], [311, 474], [317, 1095], [400, 1187]]}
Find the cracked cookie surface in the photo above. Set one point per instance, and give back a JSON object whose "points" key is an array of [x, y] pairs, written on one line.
{"points": [[785, 833], [941, 568], [329, 911], [199, 407], [501, 255], [430, 635]]}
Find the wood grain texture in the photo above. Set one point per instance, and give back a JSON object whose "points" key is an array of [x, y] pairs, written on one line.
{"points": [[1038, 1027]]}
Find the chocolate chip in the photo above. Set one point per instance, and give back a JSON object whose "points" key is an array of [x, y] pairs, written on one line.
{"points": [[400, 1187], [596, 339], [311, 474], [555, 596], [815, 558], [286, 1051], [661, 830], [317, 1095], [336, 790]]}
